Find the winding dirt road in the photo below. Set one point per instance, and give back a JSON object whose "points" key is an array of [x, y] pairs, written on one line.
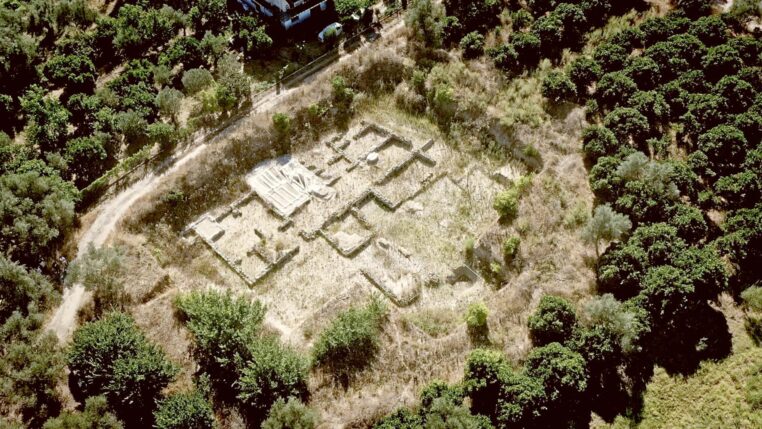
{"points": [[64, 319]]}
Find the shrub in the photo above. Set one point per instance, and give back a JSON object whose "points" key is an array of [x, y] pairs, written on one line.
{"points": [[351, 342], [184, 411], [194, 80], [605, 224], [282, 125], [483, 379], [222, 328], [554, 321], [273, 372], [476, 316], [627, 123], [511, 248], [557, 87], [711, 30], [644, 72], [598, 141], [507, 204], [583, 72], [722, 60], [752, 298], [695, 8], [112, 357], [472, 45], [291, 414], [615, 89]]}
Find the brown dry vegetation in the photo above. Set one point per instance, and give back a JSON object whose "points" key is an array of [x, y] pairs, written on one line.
{"points": [[553, 259]]}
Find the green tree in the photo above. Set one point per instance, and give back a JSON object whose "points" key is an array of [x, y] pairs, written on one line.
{"points": [[210, 15], [169, 101], [614, 89], [273, 372], [351, 342], [194, 80], [291, 414], [23, 291], [86, 157], [472, 45], [695, 8], [644, 72], [554, 321], [599, 141], [483, 379], [584, 72], [477, 15], [722, 60], [250, 36], [112, 357], [74, 72], [102, 272], [605, 224], [30, 371], [346, 8], [222, 328], [95, 415], [188, 410], [37, 211], [562, 374], [557, 87], [627, 123], [610, 56], [47, 120]]}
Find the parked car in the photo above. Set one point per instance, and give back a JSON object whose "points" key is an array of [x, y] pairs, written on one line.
{"points": [[330, 32]]}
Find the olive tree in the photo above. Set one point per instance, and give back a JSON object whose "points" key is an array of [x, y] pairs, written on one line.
{"points": [[607, 225]]}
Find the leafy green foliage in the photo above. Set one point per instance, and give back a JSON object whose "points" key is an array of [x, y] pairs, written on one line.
{"points": [[222, 327], [351, 342], [23, 291], [184, 411], [557, 87], [102, 272], [554, 321], [95, 415], [273, 372], [194, 80], [30, 371], [291, 414], [37, 211], [472, 45], [476, 316], [112, 357]]}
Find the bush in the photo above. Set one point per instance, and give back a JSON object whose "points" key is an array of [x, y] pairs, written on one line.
{"points": [[102, 272], [282, 125], [554, 321], [184, 411], [583, 72], [752, 298], [112, 357], [615, 89], [507, 204], [598, 141], [476, 316], [169, 101], [557, 87], [291, 414], [511, 248], [194, 80], [222, 328], [472, 45], [483, 379], [351, 342], [273, 372], [627, 123]]}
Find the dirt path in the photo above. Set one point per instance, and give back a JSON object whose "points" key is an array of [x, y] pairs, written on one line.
{"points": [[64, 320]]}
